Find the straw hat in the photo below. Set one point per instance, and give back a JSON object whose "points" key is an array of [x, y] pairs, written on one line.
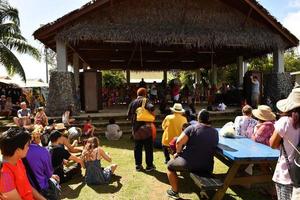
{"points": [[264, 113], [177, 108], [59, 126], [290, 103]]}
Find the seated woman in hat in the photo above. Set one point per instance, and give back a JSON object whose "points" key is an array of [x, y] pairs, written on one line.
{"points": [[265, 126]]}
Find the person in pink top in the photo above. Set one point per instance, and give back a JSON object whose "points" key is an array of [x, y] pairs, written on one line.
{"points": [[265, 126], [287, 132]]}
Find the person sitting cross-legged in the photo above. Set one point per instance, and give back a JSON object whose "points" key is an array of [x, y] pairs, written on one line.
{"points": [[39, 162], [200, 141], [14, 183], [23, 119], [59, 154], [92, 156]]}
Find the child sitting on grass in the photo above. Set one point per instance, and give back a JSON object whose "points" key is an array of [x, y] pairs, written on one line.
{"points": [[92, 155], [88, 128], [113, 131]]}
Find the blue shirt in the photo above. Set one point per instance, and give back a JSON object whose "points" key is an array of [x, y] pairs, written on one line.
{"points": [[200, 148], [39, 160]]}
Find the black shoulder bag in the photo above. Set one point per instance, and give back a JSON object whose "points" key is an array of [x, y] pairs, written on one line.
{"points": [[294, 167]]}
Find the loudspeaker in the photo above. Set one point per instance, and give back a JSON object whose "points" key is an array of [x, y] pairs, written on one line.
{"points": [[91, 90]]}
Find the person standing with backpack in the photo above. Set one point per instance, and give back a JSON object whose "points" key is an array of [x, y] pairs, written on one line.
{"points": [[285, 136]]}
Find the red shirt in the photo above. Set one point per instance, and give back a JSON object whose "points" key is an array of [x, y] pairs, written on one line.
{"points": [[87, 127], [14, 177]]}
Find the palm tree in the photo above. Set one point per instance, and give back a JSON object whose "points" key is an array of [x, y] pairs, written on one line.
{"points": [[11, 39]]}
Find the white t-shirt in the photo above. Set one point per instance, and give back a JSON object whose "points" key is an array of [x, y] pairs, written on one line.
{"points": [[113, 132], [284, 127]]}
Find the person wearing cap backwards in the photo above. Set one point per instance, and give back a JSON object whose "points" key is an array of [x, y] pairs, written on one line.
{"points": [[287, 132], [265, 126], [200, 141], [147, 143], [172, 126]]}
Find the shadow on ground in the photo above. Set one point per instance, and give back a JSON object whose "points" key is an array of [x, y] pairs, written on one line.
{"points": [[111, 188]]}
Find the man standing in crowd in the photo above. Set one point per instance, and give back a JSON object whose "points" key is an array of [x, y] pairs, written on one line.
{"points": [[141, 131]]}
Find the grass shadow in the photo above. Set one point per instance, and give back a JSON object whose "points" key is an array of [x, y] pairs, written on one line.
{"points": [[101, 189], [71, 192]]}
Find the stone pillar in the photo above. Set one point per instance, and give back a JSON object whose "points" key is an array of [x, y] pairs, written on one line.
{"points": [[278, 60], [214, 75], [128, 76], [281, 85], [61, 93], [240, 71], [61, 56], [165, 76]]}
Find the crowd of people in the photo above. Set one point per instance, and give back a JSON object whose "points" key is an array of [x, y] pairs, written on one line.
{"points": [[193, 144], [35, 155]]}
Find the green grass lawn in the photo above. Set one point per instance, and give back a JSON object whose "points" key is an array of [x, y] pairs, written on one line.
{"points": [[129, 184]]}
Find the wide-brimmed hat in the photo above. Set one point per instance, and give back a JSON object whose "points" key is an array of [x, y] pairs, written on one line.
{"points": [[264, 113], [59, 126], [290, 103], [177, 107]]}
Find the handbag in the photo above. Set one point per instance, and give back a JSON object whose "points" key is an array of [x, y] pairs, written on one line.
{"points": [[294, 167], [143, 132], [144, 115]]}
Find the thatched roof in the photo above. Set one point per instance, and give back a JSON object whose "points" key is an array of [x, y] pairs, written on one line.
{"points": [[212, 25]]}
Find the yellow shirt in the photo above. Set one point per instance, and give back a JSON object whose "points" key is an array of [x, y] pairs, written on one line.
{"points": [[172, 126]]}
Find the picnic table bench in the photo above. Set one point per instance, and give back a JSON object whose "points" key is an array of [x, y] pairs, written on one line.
{"points": [[239, 152]]}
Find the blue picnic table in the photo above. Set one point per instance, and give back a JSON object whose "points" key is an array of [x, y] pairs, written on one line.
{"points": [[239, 152]]}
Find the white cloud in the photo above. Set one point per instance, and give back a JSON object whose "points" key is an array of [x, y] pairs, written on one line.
{"points": [[291, 22]]}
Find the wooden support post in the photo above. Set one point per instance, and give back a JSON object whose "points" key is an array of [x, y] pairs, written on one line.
{"points": [[240, 71], [227, 182], [214, 74], [128, 76], [76, 69], [165, 76]]}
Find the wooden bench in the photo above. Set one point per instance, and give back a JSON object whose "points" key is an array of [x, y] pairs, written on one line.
{"points": [[205, 183]]}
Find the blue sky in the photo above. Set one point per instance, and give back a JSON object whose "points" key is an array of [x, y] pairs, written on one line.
{"points": [[34, 13]]}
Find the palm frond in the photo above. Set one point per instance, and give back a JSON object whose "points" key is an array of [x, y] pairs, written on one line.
{"points": [[9, 30], [11, 62], [9, 13], [21, 46]]}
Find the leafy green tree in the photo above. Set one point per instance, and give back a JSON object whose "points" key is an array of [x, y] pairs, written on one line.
{"points": [[113, 79], [265, 63], [291, 61], [11, 39]]}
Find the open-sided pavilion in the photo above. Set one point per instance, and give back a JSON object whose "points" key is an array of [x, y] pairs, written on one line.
{"points": [[151, 35]]}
